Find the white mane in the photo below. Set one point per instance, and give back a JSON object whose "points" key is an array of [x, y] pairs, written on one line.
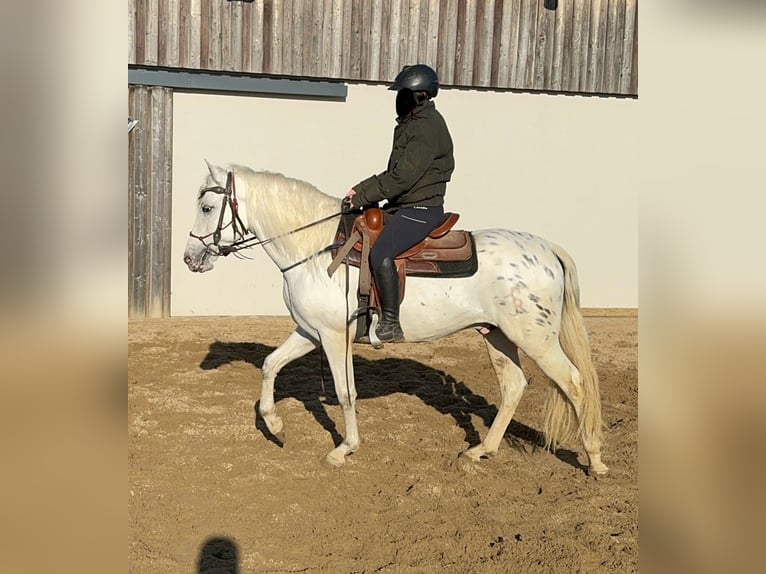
{"points": [[281, 204]]}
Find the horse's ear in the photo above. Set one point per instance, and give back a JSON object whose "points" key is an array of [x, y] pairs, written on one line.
{"points": [[218, 173]]}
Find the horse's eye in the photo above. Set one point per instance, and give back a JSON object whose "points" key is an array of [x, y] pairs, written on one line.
{"points": [[207, 208]]}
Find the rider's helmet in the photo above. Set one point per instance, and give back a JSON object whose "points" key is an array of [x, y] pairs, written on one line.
{"points": [[418, 78]]}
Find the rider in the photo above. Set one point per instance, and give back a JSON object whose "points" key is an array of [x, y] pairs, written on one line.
{"points": [[414, 184]]}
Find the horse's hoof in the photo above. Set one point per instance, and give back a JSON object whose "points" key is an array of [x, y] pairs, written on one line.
{"points": [[598, 471], [275, 425], [476, 453], [469, 457], [335, 460], [465, 464]]}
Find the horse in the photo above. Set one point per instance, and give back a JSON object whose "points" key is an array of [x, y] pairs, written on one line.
{"points": [[524, 295]]}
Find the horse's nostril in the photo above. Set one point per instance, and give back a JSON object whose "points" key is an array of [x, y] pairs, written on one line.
{"points": [[187, 259]]}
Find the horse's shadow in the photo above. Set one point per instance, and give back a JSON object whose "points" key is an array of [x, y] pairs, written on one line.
{"points": [[305, 378]]}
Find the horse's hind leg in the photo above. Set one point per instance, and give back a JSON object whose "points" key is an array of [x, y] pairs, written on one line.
{"points": [[587, 411], [294, 347], [505, 359]]}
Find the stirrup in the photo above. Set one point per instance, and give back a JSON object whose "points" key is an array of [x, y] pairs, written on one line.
{"points": [[372, 336], [366, 339], [372, 333]]}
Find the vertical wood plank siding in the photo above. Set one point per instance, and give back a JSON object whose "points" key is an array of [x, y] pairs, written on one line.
{"points": [[149, 199], [583, 46]]}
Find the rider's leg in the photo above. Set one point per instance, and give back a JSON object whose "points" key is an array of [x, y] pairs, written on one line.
{"points": [[387, 280], [405, 228]]}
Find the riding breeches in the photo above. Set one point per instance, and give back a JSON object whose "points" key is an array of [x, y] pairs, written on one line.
{"points": [[405, 228]]}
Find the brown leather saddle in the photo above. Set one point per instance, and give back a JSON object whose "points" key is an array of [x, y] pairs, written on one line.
{"points": [[446, 252]]}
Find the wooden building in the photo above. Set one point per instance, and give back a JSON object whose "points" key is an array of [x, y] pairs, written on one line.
{"points": [[580, 47]]}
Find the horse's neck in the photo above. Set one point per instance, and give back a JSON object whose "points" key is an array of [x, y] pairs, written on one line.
{"points": [[279, 212]]}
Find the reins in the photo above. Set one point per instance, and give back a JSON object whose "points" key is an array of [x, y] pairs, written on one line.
{"points": [[230, 199], [247, 242]]}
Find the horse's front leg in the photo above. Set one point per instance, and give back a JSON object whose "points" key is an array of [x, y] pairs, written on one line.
{"points": [[294, 347], [340, 358]]}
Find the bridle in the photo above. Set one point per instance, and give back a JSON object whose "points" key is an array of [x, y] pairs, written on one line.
{"points": [[241, 241], [229, 199]]}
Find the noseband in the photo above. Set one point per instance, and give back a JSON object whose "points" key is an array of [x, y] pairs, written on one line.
{"points": [[229, 198]]}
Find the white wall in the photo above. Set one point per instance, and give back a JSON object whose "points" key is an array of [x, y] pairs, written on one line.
{"points": [[558, 166]]}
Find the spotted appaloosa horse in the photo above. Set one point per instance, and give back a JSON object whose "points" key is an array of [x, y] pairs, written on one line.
{"points": [[525, 295]]}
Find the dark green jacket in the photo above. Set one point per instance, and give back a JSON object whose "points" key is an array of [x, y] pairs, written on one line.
{"points": [[420, 165]]}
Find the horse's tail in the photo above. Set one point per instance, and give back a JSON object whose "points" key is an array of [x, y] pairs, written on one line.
{"points": [[561, 421]]}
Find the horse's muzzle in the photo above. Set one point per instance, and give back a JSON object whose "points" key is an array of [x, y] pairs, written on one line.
{"points": [[198, 265]]}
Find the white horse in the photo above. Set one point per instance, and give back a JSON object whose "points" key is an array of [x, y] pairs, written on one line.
{"points": [[524, 295]]}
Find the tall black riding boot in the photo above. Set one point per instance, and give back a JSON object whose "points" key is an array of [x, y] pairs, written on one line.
{"points": [[387, 281]]}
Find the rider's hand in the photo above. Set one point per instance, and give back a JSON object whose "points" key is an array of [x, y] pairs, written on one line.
{"points": [[348, 196]]}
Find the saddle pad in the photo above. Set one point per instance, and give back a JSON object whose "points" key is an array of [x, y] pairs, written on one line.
{"points": [[459, 262]]}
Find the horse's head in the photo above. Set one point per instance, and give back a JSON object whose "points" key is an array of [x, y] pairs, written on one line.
{"points": [[218, 224]]}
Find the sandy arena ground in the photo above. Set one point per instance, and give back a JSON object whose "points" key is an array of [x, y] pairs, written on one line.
{"points": [[210, 491]]}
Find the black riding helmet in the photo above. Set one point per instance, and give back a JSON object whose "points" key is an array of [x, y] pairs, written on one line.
{"points": [[418, 78]]}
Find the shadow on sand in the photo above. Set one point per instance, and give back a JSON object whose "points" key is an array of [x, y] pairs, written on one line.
{"points": [[301, 380], [218, 555]]}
